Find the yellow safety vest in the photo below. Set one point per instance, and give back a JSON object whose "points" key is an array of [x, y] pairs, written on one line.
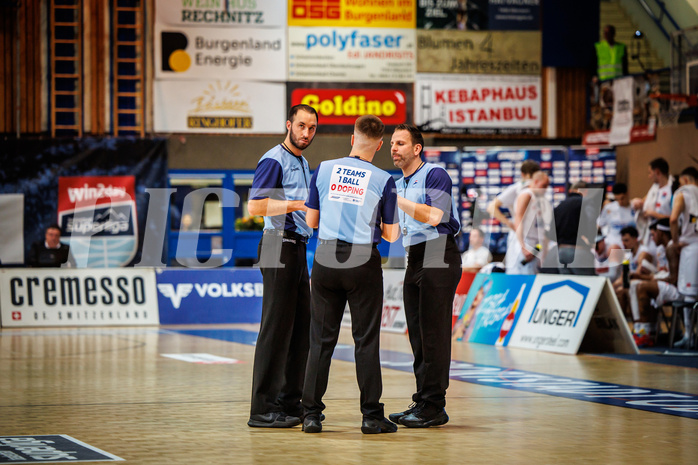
{"points": [[610, 60]]}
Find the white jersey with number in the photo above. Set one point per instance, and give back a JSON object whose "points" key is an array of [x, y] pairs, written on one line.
{"points": [[688, 219]]}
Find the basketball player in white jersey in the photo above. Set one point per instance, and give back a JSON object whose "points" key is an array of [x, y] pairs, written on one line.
{"points": [[684, 232]]}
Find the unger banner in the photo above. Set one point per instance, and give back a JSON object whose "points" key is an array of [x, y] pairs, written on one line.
{"points": [[346, 54], [476, 52], [222, 106], [73, 297], [555, 313], [478, 104], [352, 13]]}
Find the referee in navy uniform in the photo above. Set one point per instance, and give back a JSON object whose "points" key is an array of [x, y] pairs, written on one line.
{"points": [[354, 204], [429, 222], [279, 191]]}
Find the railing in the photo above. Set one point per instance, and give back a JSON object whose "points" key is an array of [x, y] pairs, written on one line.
{"points": [[657, 18]]}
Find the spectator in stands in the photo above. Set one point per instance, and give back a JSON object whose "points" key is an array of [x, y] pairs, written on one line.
{"points": [[649, 290], [531, 223], [477, 254], [50, 253], [657, 203], [610, 57]]}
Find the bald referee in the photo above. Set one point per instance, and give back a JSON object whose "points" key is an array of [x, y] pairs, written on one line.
{"points": [[354, 204]]}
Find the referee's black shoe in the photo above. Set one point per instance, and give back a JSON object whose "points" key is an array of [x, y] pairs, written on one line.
{"points": [[395, 417], [273, 420], [424, 418], [312, 423], [375, 426]]}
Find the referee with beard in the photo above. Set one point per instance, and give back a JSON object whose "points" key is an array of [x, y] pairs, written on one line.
{"points": [[429, 222], [279, 191]]}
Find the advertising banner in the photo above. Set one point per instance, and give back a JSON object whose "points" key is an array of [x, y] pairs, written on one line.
{"points": [[221, 295], [229, 14], [223, 107], [352, 13], [479, 15], [487, 171], [510, 15], [622, 122], [248, 54], [12, 232], [97, 215], [631, 100], [73, 297], [466, 280], [492, 308], [553, 313], [346, 54], [339, 104], [478, 104], [593, 165], [477, 52], [557, 313], [393, 319]]}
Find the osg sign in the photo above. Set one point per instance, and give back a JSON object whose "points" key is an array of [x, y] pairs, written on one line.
{"points": [[343, 106], [315, 9]]}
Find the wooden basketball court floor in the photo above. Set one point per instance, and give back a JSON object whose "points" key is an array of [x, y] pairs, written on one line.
{"points": [[113, 389]]}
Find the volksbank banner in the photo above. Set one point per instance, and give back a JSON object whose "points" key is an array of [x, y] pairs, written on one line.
{"points": [[78, 297], [222, 106], [210, 296], [222, 13], [347, 54]]}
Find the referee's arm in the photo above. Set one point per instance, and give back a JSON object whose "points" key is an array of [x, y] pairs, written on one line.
{"points": [[420, 211], [390, 232], [274, 207], [312, 217]]}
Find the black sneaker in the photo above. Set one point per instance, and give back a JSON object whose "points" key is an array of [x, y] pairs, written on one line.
{"points": [[273, 420], [312, 423], [424, 419], [375, 426], [301, 414], [395, 417]]}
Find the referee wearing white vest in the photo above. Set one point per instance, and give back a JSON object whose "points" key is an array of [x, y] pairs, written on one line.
{"points": [[353, 204], [429, 221]]}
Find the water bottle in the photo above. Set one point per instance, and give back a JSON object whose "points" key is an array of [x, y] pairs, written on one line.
{"points": [[626, 274]]}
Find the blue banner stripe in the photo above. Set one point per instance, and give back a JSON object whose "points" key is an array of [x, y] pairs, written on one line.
{"points": [[647, 399]]}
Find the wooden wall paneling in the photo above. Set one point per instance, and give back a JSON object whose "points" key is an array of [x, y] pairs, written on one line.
{"points": [[102, 76], [571, 102], [96, 71], [544, 99]]}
